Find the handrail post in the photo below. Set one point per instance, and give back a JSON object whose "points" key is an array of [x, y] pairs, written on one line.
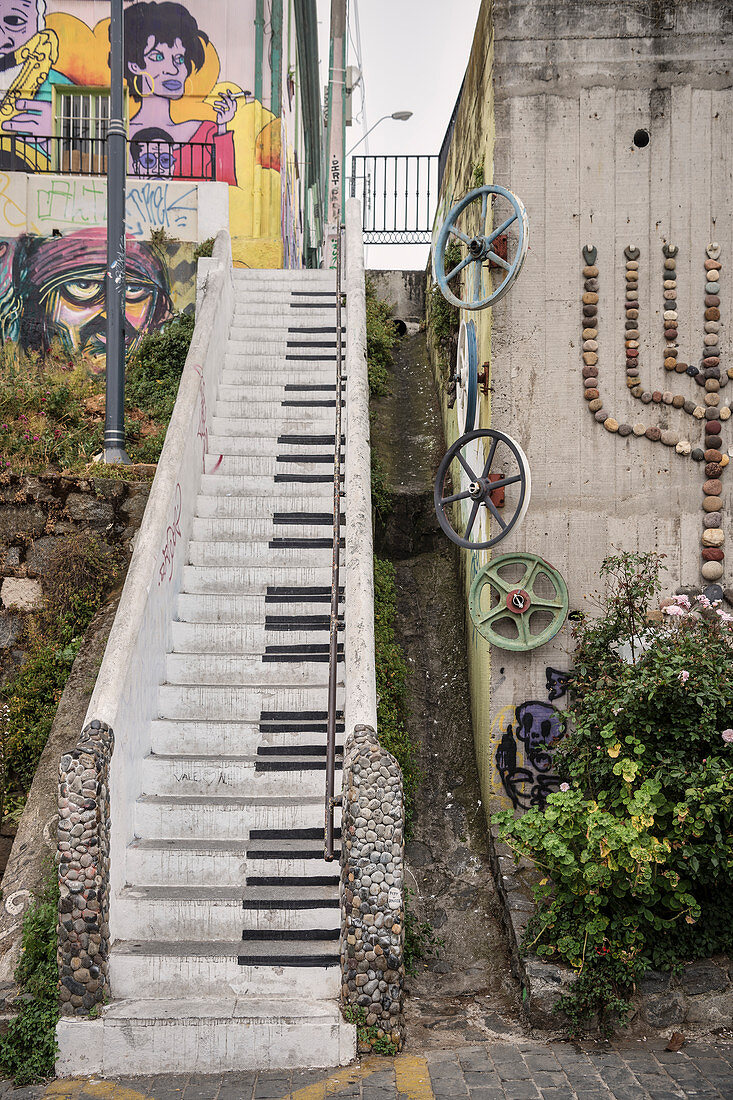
{"points": [[335, 564]]}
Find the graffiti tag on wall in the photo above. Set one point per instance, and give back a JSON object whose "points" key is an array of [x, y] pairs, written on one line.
{"points": [[525, 737]]}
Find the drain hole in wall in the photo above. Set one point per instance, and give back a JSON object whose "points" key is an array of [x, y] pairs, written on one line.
{"points": [[641, 139]]}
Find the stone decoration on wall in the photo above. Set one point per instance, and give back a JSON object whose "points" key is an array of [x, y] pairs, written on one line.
{"points": [[83, 855], [707, 375], [372, 886]]}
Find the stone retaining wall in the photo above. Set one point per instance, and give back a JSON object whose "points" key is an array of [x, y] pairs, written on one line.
{"points": [[83, 856], [700, 997], [372, 888], [37, 513]]}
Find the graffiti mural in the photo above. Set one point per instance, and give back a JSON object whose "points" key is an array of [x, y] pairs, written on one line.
{"points": [[525, 736], [53, 288]]}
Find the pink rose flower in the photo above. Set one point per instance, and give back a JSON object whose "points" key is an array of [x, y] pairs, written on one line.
{"points": [[727, 736], [684, 676], [566, 786]]}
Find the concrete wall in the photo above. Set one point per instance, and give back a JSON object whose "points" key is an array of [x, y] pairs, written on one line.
{"points": [[126, 693], [573, 82]]}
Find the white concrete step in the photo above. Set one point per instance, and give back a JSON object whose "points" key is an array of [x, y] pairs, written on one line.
{"points": [[233, 505], [233, 639], [285, 312], [169, 913], [251, 579], [240, 372], [245, 609], [208, 969], [223, 528], [239, 671], [317, 460], [272, 427], [231, 554], [289, 443], [243, 485], [278, 390], [205, 862], [228, 738], [223, 817], [225, 1033], [276, 411], [230, 818], [240, 704]]}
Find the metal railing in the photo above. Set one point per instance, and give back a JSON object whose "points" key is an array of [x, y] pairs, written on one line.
{"points": [[331, 799], [398, 196], [82, 156]]}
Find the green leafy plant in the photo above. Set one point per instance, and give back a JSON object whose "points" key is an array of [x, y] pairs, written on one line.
{"points": [[28, 1049], [477, 176], [206, 248], [153, 376], [371, 1034], [637, 845], [381, 338], [391, 674], [79, 576]]}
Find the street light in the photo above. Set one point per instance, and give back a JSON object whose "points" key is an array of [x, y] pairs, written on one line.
{"points": [[400, 116]]}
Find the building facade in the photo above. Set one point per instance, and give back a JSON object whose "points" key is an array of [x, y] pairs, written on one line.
{"points": [[224, 130]]}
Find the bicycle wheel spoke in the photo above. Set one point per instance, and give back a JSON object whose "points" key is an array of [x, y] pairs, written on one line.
{"points": [[472, 518], [465, 466], [504, 481], [498, 581], [495, 613], [461, 236], [456, 496], [484, 208], [529, 576], [498, 260], [459, 267], [495, 512], [502, 228], [490, 459]]}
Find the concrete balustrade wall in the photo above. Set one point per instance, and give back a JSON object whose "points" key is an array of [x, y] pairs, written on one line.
{"points": [[126, 693]]}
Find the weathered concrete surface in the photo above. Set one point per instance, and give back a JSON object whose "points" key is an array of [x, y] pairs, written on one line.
{"points": [[467, 991], [31, 858], [407, 440], [403, 290]]}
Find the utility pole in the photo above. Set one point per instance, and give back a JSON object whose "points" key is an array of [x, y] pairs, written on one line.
{"points": [[114, 421], [336, 167]]}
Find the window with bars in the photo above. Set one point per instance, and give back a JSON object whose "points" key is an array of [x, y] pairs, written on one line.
{"points": [[82, 119]]}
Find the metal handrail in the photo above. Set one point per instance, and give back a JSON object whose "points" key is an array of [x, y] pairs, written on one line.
{"points": [[331, 800], [87, 156]]}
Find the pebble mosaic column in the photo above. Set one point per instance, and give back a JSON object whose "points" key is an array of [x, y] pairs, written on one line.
{"points": [[712, 536], [372, 887], [83, 869]]}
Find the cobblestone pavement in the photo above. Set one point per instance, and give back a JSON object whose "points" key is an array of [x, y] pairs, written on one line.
{"points": [[525, 1070]]}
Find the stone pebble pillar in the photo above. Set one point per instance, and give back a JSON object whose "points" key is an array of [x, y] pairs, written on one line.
{"points": [[83, 869], [372, 887]]}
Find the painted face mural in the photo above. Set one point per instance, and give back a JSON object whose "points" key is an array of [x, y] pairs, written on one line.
{"points": [[19, 21], [60, 282], [163, 46]]}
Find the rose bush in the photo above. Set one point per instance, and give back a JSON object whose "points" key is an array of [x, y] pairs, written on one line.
{"points": [[637, 845]]}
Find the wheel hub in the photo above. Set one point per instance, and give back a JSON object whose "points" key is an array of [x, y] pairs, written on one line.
{"points": [[518, 601], [478, 489], [476, 247]]}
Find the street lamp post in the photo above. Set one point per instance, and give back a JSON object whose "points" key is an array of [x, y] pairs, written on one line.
{"points": [[114, 421], [400, 116]]}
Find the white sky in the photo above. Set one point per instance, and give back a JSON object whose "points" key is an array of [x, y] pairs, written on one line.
{"points": [[414, 55]]}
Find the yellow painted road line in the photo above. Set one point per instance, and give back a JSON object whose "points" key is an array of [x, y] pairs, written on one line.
{"points": [[412, 1077], [71, 1088], [341, 1079]]}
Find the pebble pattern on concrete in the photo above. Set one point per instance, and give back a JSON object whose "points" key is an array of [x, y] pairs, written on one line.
{"points": [[708, 375], [531, 1070], [83, 854], [372, 896]]}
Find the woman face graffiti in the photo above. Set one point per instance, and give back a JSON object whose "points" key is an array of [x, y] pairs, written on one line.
{"points": [[164, 73]]}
